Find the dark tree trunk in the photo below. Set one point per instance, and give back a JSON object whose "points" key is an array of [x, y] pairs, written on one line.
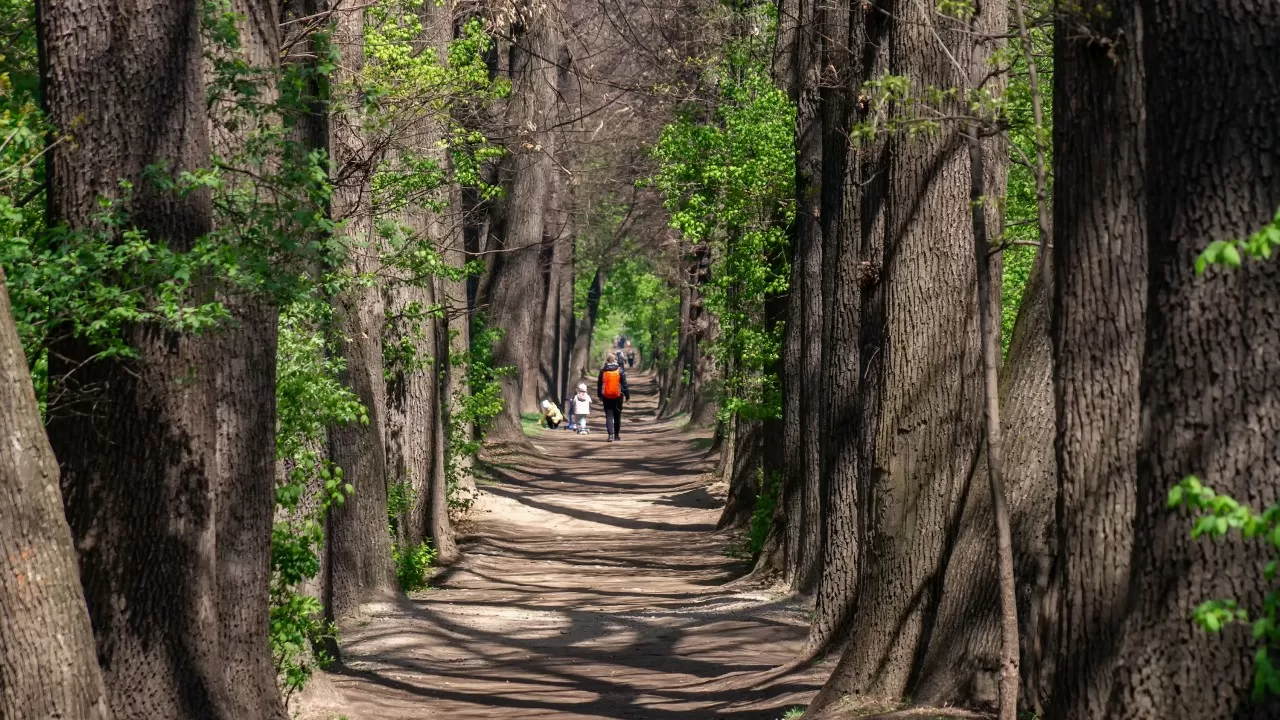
{"points": [[136, 438], [1099, 316], [40, 596], [359, 547], [853, 195], [411, 394], [516, 298], [923, 381], [246, 393], [961, 664], [806, 306], [1210, 394], [743, 471], [439, 527], [586, 327]]}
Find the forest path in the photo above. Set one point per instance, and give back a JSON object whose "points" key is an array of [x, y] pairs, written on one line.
{"points": [[591, 587]]}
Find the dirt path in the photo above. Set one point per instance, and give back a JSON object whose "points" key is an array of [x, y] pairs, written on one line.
{"points": [[592, 587]]}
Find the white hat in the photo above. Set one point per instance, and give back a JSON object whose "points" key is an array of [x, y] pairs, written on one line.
{"points": [[582, 387], [546, 404]]}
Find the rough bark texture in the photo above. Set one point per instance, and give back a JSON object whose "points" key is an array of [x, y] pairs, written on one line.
{"points": [[136, 438], [40, 596], [516, 295], [580, 364], [804, 352], [743, 473], [834, 539], [439, 526], [1210, 394], [359, 548], [246, 393], [961, 664], [923, 379], [1097, 329], [411, 393]]}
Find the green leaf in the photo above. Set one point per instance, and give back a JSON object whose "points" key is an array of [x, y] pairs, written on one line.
{"points": [[1231, 256]]}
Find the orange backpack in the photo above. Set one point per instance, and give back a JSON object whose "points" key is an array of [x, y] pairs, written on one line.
{"points": [[612, 389]]}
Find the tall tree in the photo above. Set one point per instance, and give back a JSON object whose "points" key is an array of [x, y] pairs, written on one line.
{"points": [[359, 549], [960, 666], [39, 583], [1099, 317], [1210, 396], [921, 376], [516, 301], [137, 438], [246, 394]]}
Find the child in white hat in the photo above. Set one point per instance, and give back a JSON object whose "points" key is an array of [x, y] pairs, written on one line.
{"points": [[580, 406]]}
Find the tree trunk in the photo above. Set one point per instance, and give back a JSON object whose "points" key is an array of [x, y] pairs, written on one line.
{"points": [[136, 438], [246, 394], [923, 384], [586, 330], [988, 310], [1210, 395], [359, 547], [439, 526], [40, 592], [960, 666], [853, 236], [515, 303], [743, 473], [1099, 319]]}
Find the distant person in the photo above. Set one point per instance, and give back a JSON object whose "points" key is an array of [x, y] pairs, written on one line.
{"points": [[580, 409], [631, 356], [611, 387], [551, 416]]}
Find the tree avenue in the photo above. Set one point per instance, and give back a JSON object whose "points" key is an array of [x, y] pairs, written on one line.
{"points": [[976, 301]]}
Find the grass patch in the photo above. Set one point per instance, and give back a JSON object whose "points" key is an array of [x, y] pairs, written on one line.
{"points": [[531, 423], [793, 713]]}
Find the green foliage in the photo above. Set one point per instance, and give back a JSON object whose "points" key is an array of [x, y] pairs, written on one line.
{"points": [[413, 565], [472, 409], [729, 181], [1020, 208], [1231, 253], [639, 304], [1216, 516], [762, 514], [309, 401]]}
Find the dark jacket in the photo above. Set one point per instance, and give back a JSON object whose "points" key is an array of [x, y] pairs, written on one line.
{"points": [[626, 393]]}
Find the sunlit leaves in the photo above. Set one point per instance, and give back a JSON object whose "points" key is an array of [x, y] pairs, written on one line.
{"points": [[1216, 516]]}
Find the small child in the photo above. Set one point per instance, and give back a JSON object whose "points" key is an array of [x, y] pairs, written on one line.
{"points": [[551, 416], [581, 404]]}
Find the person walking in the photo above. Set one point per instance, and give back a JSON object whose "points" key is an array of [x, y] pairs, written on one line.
{"points": [[611, 388]]}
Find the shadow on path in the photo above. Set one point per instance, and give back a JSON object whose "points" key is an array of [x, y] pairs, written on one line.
{"points": [[593, 587]]}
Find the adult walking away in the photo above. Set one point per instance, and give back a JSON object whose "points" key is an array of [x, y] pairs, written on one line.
{"points": [[611, 388]]}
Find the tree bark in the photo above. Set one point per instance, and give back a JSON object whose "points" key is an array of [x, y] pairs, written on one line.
{"points": [[923, 380], [516, 295], [246, 393], [960, 666], [359, 548], [136, 438], [1099, 319], [743, 471], [1210, 396], [40, 596], [988, 310], [831, 542], [586, 329]]}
